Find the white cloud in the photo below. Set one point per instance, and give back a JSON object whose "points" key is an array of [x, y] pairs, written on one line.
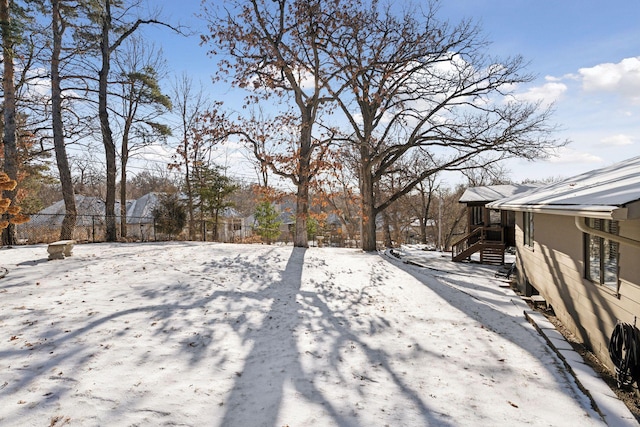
{"points": [[548, 93], [156, 153], [303, 77], [622, 78], [38, 86], [617, 140], [568, 76], [566, 155]]}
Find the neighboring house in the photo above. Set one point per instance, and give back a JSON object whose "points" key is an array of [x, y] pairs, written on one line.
{"points": [[287, 218], [140, 222], [140, 211], [233, 227], [490, 231], [86, 207], [578, 246], [335, 233], [90, 223], [45, 225]]}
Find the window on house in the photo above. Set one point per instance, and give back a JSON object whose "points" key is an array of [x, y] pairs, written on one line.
{"points": [[495, 217], [601, 255], [477, 213], [527, 228], [234, 225]]}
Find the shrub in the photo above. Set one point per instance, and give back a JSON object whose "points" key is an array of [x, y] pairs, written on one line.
{"points": [[170, 215]]}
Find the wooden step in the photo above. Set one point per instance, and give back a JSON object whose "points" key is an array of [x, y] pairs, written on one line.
{"points": [[492, 255]]}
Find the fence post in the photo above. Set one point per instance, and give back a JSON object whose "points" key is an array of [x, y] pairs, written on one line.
{"points": [[93, 228]]}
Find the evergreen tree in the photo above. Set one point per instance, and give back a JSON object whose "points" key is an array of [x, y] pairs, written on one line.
{"points": [[213, 189], [170, 216], [312, 227], [267, 222]]}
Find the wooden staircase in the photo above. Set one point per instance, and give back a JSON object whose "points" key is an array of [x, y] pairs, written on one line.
{"points": [[491, 251]]}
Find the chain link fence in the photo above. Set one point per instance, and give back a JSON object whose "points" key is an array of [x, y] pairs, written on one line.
{"points": [[46, 228]]}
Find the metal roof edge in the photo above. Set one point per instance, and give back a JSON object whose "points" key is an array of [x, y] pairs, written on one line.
{"points": [[587, 211]]}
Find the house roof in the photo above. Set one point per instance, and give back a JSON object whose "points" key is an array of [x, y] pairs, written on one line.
{"points": [[88, 208], [140, 210], [612, 192], [491, 193], [91, 209]]}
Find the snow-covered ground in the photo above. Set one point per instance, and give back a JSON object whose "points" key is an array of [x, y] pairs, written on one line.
{"points": [[204, 334]]}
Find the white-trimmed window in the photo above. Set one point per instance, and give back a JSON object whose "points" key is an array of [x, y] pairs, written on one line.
{"points": [[601, 255], [527, 228]]}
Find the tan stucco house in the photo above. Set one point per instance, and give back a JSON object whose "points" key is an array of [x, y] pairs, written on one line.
{"points": [[578, 246]]}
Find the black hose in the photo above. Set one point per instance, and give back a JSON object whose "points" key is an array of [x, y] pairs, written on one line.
{"points": [[624, 350]]}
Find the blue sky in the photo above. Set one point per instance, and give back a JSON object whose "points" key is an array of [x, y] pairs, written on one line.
{"points": [[585, 55]]}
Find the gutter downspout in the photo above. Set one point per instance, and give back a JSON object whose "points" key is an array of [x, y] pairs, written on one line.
{"points": [[580, 223]]}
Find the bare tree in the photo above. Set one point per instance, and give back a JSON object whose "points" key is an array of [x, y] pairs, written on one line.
{"points": [[274, 48], [339, 192], [451, 221], [43, 118], [113, 18], [58, 27], [157, 180], [492, 174], [89, 176], [190, 105], [139, 67], [425, 189], [412, 82], [418, 203]]}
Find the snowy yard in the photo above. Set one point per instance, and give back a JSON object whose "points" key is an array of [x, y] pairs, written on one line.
{"points": [[204, 334]]}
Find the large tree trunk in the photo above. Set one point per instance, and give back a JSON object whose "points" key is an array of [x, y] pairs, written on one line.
{"points": [[386, 229], [301, 239], [216, 218], [107, 137], [69, 221], [302, 212], [188, 185], [9, 138], [367, 197], [124, 159], [426, 206], [123, 188], [368, 209]]}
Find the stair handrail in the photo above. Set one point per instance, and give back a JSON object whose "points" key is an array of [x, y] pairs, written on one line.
{"points": [[463, 244]]}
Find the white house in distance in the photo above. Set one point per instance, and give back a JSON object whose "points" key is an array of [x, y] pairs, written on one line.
{"points": [[45, 225], [578, 245]]}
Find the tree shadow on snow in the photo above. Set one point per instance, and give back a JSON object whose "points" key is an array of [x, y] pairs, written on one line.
{"points": [[265, 377], [270, 317], [485, 308]]}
